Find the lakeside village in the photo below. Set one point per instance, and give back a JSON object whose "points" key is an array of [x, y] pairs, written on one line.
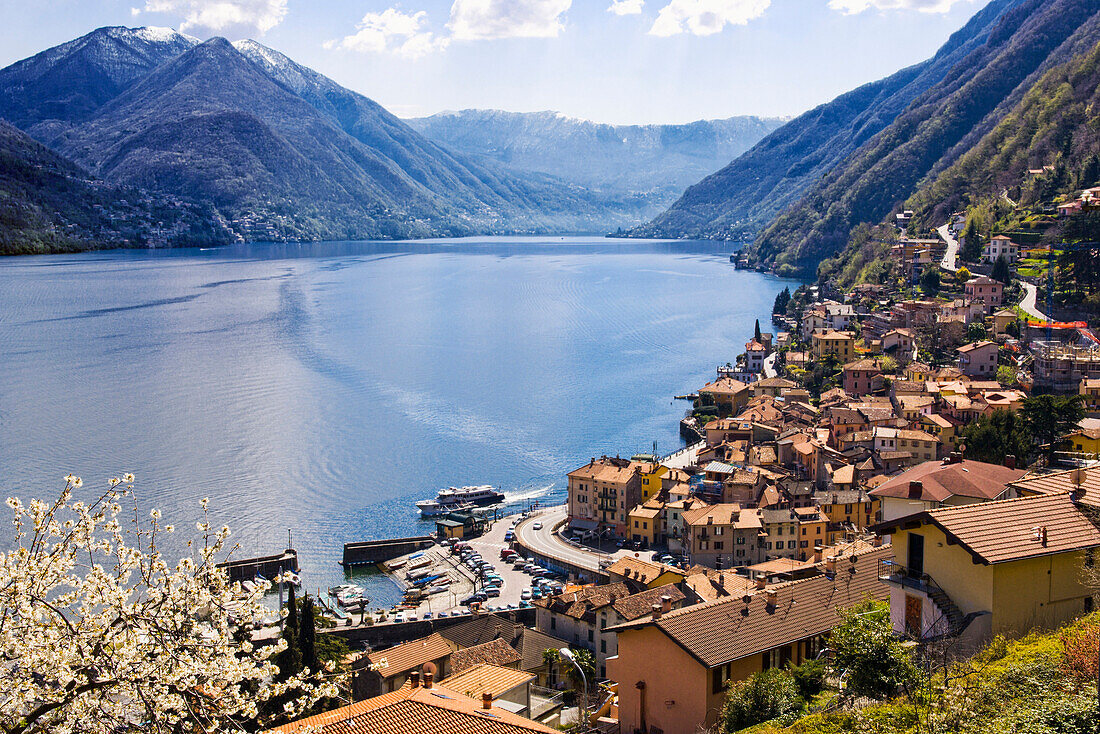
{"points": [[932, 457]]}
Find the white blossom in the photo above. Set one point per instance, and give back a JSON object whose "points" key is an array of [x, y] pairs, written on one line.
{"points": [[100, 634]]}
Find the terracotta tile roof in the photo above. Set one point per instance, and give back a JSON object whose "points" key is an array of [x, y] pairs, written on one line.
{"points": [[409, 655], [408, 710], [482, 629], [965, 348], [779, 382], [845, 475], [1063, 481], [533, 644], [483, 678], [730, 514], [728, 629], [862, 365], [636, 569], [637, 605], [607, 469], [941, 481], [779, 566], [1012, 530], [494, 652], [725, 386], [585, 601]]}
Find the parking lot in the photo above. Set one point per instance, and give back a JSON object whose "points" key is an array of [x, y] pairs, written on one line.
{"points": [[464, 578]]}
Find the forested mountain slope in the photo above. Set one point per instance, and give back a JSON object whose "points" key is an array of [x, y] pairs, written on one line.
{"points": [[743, 198], [1027, 40]]}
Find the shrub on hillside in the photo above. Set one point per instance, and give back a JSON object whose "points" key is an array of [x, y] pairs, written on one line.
{"points": [[765, 696]]}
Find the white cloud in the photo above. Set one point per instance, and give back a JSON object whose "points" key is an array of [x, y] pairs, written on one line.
{"points": [[484, 19], [851, 7], [392, 30], [626, 7], [222, 15], [705, 17]]}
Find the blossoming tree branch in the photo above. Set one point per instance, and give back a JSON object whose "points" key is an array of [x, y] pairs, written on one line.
{"points": [[101, 633]]}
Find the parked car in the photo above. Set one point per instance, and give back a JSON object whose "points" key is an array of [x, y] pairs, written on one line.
{"points": [[492, 591], [509, 536], [476, 598], [399, 617], [520, 564], [411, 617], [525, 595], [427, 615]]}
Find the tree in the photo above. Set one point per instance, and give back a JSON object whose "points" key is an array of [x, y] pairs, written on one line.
{"points": [[101, 634], [1006, 375], [307, 635], [290, 659], [962, 275], [781, 300], [971, 244], [930, 280], [772, 694], [1050, 417], [867, 656], [810, 677], [975, 331], [756, 332], [990, 438], [1000, 270]]}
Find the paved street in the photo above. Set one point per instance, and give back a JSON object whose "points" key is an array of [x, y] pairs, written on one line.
{"points": [[1028, 303], [951, 257], [545, 542]]}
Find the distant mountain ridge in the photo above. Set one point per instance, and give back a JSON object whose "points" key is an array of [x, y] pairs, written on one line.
{"points": [[653, 161], [744, 198], [282, 151]]}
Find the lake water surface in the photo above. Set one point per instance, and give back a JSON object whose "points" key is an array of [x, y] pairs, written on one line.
{"points": [[322, 388]]}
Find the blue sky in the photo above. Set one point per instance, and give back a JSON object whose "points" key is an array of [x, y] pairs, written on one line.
{"points": [[622, 61]]}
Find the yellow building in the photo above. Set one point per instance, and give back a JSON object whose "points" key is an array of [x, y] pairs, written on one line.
{"points": [[1085, 440], [638, 574], [652, 475], [838, 343], [849, 507], [646, 522], [812, 527], [943, 428], [1001, 320], [992, 568]]}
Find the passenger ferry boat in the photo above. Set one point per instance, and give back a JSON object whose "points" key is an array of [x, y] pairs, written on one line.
{"points": [[455, 499]]}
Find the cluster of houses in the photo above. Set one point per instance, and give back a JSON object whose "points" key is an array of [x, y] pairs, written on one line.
{"points": [[785, 509]]}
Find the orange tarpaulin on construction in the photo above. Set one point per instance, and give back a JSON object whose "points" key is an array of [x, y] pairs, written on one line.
{"points": [[1058, 324]]}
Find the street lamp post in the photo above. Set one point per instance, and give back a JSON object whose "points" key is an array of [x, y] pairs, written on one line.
{"points": [[566, 653]]}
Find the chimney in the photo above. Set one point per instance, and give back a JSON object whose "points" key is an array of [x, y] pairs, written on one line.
{"points": [[486, 701], [666, 604], [721, 579], [877, 541], [817, 554], [830, 565], [611, 598], [916, 489], [414, 678], [1010, 461], [770, 596], [656, 608], [1043, 536], [761, 581], [428, 679]]}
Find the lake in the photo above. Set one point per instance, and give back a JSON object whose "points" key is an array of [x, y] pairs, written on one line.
{"points": [[320, 389]]}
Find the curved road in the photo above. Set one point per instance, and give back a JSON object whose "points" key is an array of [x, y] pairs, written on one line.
{"points": [[1028, 305], [951, 257], [545, 542]]}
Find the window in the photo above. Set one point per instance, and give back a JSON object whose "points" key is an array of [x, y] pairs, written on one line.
{"points": [[590, 635], [740, 540], [790, 544], [603, 645], [553, 623], [718, 545]]}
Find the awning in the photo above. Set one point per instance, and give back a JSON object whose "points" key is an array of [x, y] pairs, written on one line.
{"points": [[579, 523]]}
